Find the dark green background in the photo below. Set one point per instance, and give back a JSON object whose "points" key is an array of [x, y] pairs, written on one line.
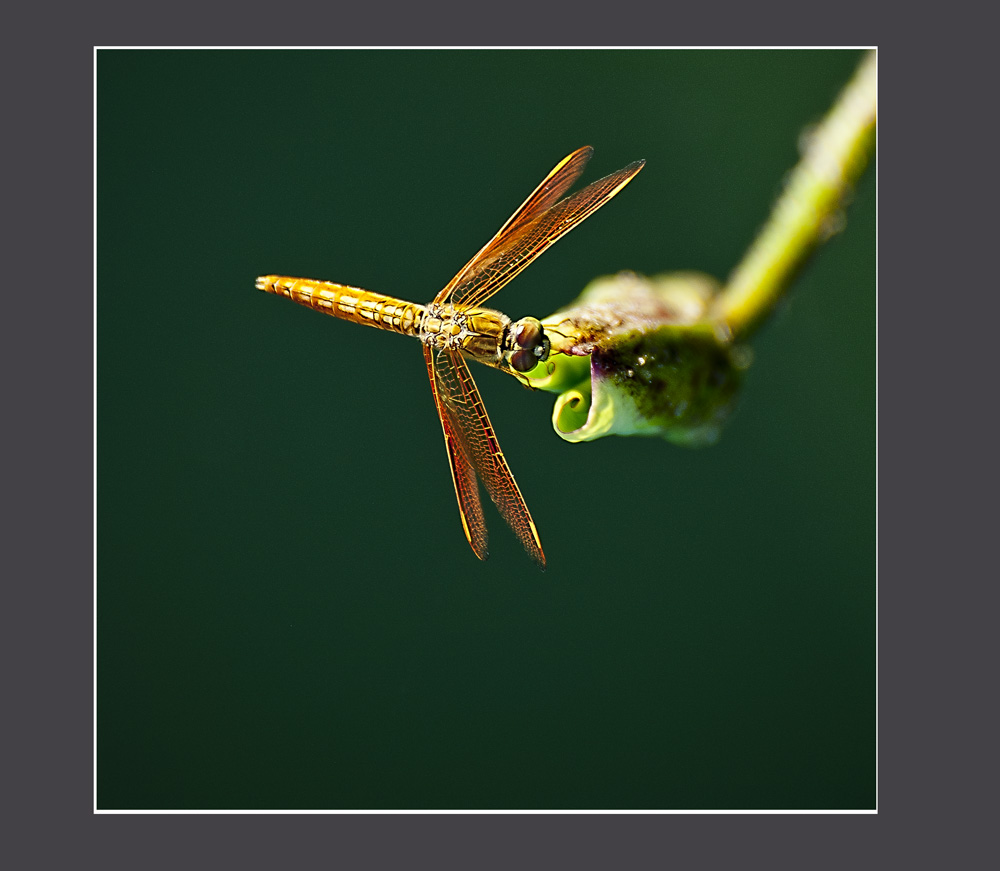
{"points": [[289, 614]]}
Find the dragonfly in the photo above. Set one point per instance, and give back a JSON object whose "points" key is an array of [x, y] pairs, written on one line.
{"points": [[455, 326]]}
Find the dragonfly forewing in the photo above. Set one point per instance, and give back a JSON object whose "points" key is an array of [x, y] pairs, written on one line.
{"points": [[518, 244]]}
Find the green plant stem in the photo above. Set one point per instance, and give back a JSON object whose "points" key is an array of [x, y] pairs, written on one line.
{"points": [[809, 210]]}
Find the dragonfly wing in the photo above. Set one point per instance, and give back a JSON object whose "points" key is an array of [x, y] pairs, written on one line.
{"points": [[532, 229], [551, 189], [462, 473], [467, 422]]}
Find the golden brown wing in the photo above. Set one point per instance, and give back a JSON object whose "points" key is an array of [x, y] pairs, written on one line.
{"points": [[553, 186], [462, 474], [469, 436], [536, 225]]}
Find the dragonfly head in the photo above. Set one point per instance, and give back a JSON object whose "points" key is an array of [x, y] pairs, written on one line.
{"points": [[525, 344]]}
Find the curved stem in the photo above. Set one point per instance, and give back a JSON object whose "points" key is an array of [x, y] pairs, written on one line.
{"points": [[809, 210]]}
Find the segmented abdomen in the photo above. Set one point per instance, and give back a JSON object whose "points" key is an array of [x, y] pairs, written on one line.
{"points": [[348, 303]]}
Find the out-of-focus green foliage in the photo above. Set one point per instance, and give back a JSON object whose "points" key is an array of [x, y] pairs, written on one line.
{"points": [[634, 356], [664, 356]]}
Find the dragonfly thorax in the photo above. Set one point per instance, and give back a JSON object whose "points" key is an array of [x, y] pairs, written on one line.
{"points": [[486, 336], [476, 332]]}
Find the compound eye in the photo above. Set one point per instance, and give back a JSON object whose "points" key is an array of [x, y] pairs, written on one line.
{"points": [[523, 360], [528, 334]]}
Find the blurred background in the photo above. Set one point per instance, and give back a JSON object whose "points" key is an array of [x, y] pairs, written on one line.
{"points": [[289, 615]]}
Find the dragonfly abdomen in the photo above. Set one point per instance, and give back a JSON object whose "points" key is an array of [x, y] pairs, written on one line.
{"points": [[348, 303]]}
